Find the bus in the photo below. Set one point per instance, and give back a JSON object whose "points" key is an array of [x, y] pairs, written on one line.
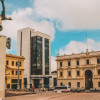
{"points": [[62, 89]]}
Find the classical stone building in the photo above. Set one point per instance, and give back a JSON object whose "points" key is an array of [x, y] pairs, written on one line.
{"points": [[35, 47], [11, 74], [79, 70]]}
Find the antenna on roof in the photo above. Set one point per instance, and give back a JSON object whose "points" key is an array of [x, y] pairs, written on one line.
{"points": [[86, 44]]}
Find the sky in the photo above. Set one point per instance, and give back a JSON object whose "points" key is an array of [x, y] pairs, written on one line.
{"points": [[68, 22]]}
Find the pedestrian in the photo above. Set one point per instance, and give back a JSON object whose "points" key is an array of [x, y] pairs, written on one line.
{"points": [[32, 89], [41, 90]]}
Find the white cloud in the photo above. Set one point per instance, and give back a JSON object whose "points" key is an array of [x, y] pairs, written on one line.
{"points": [[53, 64], [23, 18], [78, 47], [70, 14]]}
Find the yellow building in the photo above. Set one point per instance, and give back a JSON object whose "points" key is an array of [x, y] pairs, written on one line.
{"points": [[79, 70], [12, 71]]}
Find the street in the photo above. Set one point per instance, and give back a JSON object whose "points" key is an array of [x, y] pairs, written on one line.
{"points": [[58, 96]]}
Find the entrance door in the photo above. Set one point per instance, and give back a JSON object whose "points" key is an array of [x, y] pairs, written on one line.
{"points": [[88, 79], [36, 83], [46, 82]]}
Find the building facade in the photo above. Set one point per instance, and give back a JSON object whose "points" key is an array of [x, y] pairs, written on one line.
{"points": [[2, 66], [11, 75], [53, 79], [35, 47], [79, 70]]}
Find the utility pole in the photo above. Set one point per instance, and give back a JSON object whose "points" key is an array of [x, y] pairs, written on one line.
{"points": [[18, 75]]}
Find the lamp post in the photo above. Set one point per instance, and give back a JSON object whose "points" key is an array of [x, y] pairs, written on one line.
{"points": [[18, 75]]}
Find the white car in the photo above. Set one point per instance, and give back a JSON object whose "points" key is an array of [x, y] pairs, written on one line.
{"points": [[62, 89]]}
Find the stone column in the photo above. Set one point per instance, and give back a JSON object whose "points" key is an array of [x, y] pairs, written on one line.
{"points": [[2, 65]]}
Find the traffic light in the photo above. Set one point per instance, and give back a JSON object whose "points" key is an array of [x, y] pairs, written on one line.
{"points": [[19, 63], [8, 43]]}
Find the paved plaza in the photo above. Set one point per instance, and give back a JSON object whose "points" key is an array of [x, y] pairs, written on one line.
{"points": [[58, 96]]}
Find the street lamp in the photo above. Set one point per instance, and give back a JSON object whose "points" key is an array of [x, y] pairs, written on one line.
{"points": [[19, 63]]}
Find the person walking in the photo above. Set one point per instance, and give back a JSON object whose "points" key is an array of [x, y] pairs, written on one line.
{"points": [[41, 90]]}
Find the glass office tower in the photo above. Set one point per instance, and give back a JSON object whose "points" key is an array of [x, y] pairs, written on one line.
{"points": [[46, 57], [36, 55]]}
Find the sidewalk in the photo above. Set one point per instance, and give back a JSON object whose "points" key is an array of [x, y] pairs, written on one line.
{"points": [[18, 93]]}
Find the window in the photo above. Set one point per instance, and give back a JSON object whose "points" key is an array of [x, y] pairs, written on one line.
{"points": [[60, 64], [69, 73], [69, 63], [7, 62], [20, 63], [61, 83], [14, 80], [98, 71], [98, 60], [12, 63], [16, 72], [87, 61], [12, 72], [8, 86], [98, 84], [16, 63], [61, 74], [20, 73], [77, 62], [78, 84], [78, 73], [69, 84]]}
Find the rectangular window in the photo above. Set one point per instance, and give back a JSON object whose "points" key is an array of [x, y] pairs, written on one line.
{"points": [[98, 71], [78, 84], [60, 64], [61, 83], [77, 62], [12, 72], [78, 73], [12, 63], [20, 73], [98, 84], [16, 63], [16, 72], [69, 84], [7, 62], [69, 73], [69, 63], [8, 86], [14, 80], [87, 61], [98, 60], [20, 63], [60, 73]]}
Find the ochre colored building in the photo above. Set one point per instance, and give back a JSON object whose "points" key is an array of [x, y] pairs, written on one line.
{"points": [[79, 70], [11, 76]]}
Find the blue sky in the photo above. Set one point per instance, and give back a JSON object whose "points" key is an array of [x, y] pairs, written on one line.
{"points": [[66, 21]]}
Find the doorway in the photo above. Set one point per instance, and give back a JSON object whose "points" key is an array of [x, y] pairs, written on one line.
{"points": [[36, 83], [88, 79], [46, 82]]}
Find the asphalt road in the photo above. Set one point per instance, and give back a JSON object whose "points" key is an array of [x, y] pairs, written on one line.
{"points": [[58, 96]]}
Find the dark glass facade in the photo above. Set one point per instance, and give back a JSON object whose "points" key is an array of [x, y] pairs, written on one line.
{"points": [[36, 55], [46, 57]]}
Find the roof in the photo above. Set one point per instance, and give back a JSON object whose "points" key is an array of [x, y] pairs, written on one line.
{"points": [[34, 31], [79, 55], [15, 56], [54, 71]]}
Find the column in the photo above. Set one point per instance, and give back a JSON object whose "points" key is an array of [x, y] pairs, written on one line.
{"points": [[2, 65]]}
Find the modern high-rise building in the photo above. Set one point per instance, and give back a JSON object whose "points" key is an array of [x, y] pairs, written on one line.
{"points": [[35, 47]]}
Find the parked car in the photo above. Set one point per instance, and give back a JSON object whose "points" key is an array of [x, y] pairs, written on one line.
{"points": [[62, 89]]}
